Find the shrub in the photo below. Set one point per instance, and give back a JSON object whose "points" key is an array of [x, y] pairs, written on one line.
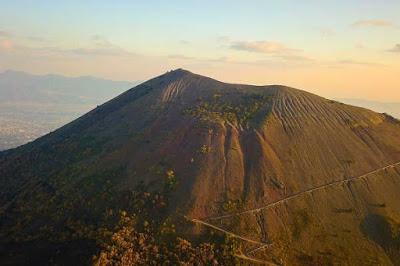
{"points": [[128, 246]]}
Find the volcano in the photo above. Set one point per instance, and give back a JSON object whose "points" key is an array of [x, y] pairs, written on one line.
{"points": [[295, 178]]}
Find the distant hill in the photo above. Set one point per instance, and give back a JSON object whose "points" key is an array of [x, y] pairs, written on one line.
{"points": [[392, 108], [294, 178], [32, 105]]}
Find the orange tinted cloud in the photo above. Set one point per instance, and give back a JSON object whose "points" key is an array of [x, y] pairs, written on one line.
{"points": [[395, 49], [6, 44], [266, 47], [5, 34], [374, 23]]}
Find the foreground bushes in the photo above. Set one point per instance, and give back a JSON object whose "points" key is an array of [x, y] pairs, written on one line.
{"points": [[128, 246]]}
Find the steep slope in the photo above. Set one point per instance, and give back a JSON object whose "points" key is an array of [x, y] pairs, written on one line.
{"points": [[227, 149]]}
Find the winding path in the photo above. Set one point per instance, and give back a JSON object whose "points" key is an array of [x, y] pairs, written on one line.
{"points": [[275, 203], [227, 232], [333, 183]]}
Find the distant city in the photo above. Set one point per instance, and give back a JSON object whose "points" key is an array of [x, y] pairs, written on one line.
{"points": [[32, 106]]}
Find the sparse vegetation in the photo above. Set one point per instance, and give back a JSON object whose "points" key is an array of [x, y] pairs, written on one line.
{"points": [[171, 180], [240, 110], [232, 205], [204, 149]]}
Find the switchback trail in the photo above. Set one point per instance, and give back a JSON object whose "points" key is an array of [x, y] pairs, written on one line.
{"points": [[227, 232], [240, 256], [333, 183], [272, 204]]}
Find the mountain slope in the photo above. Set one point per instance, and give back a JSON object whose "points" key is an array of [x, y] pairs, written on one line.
{"points": [[226, 149]]}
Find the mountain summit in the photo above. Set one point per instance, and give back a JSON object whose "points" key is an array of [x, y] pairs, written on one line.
{"points": [[297, 179]]}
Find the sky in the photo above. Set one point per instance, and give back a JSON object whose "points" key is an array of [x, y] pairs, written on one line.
{"points": [[337, 49]]}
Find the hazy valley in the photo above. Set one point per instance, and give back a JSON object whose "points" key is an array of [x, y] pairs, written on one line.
{"points": [[32, 106]]}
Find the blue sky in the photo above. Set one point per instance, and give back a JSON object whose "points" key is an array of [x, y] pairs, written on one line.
{"points": [[323, 46]]}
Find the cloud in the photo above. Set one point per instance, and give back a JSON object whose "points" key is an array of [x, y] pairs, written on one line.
{"points": [[37, 39], [58, 52], [395, 49], [222, 59], [265, 47], [297, 58], [8, 35], [5, 34], [326, 32], [98, 46], [96, 51], [272, 49], [180, 56], [184, 42], [101, 41], [359, 46], [358, 63], [374, 23], [223, 38], [6, 44]]}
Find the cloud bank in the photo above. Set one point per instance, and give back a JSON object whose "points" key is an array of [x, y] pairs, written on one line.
{"points": [[380, 23], [395, 49], [265, 47]]}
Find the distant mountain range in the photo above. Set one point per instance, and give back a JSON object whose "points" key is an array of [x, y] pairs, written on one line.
{"points": [[291, 177], [33, 105], [392, 108]]}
